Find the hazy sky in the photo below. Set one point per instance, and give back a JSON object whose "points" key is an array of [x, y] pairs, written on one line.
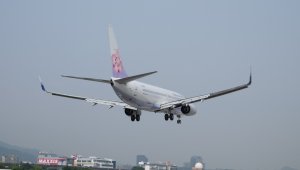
{"points": [[196, 46]]}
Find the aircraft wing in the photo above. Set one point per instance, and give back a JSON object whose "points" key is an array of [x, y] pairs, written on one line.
{"points": [[94, 101], [179, 103]]}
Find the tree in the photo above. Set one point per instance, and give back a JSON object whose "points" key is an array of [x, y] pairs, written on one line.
{"points": [[137, 168]]}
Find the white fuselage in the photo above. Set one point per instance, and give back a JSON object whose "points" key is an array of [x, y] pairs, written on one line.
{"points": [[147, 97]]}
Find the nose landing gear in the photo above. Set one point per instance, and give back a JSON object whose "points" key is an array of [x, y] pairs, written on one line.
{"points": [[178, 120]]}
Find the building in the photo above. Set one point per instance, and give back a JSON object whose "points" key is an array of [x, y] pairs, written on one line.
{"points": [[9, 159], [157, 166], [45, 158], [191, 164], [141, 158], [95, 162], [198, 166], [195, 160]]}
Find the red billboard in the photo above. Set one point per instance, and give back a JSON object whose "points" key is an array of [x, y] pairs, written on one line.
{"points": [[52, 161]]}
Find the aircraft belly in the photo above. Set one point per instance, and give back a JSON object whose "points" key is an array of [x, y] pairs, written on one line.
{"points": [[131, 97], [145, 97]]}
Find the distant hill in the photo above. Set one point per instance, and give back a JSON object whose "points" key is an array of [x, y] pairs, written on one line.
{"points": [[24, 154]]}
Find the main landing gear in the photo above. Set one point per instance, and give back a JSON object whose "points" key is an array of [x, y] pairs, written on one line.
{"points": [[171, 117], [135, 117]]}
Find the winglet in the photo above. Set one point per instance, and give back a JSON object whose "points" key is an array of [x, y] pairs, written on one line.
{"points": [[42, 85], [250, 78]]}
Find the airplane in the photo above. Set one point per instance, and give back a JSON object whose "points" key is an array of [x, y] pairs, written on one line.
{"points": [[137, 96]]}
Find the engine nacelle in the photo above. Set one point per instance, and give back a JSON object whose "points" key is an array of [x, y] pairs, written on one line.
{"points": [[129, 112], [185, 109], [188, 109]]}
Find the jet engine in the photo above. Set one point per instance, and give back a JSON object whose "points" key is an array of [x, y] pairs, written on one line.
{"points": [[185, 109], [129, 112], [133, 114], [188, 109]]}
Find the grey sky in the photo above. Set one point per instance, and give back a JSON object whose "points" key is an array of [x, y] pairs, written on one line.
{"points": [[197, 47]]}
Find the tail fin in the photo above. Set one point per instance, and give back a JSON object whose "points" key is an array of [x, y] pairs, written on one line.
{"points": [[117, 66]]}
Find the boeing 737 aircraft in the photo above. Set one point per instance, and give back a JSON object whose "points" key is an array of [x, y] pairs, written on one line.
{"points": [[137, 96]]}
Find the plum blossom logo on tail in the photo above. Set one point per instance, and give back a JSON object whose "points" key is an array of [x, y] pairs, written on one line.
{"points": [[118, 70]]}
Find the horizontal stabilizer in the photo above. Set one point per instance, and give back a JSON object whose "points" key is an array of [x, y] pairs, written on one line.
{"points": [[89, 79], [131, 78]]}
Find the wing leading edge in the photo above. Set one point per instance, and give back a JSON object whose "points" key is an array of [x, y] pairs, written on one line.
{"points": [[90, 100], [189, 100]]}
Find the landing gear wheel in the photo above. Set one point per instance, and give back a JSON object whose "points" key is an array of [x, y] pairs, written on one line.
{"points": [[138, 117], [132, 118], [171, 117], [178, 121], [166, 117]]}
